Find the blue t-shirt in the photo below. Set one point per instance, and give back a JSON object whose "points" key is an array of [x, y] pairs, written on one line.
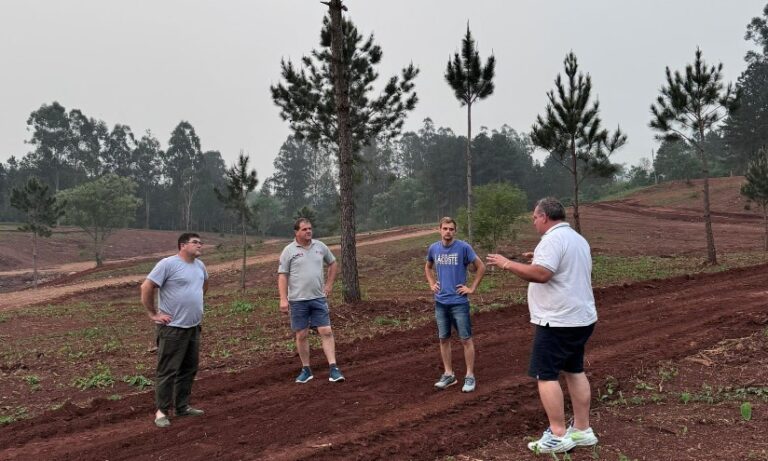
{"points": [[451, 266]]}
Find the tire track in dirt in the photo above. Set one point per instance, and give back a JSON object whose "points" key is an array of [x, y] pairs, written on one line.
{"points": [[23, 298], [388, 408]]}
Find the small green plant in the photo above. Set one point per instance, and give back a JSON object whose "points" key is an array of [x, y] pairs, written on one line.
{"points": [[114, 397], [685, 397], [16, 415], [386, 321], [112, 345], [611, 385], [746, 411], [100, 378], [241, 306], [139, 381]]}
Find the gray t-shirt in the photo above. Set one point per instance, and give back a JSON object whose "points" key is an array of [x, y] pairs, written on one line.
{"points": [[181, 290], [304, 267]]}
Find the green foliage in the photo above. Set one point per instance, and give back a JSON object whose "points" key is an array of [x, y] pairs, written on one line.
{"points": [[746, 411], [139, 381], [497, 209], [241, 306], [41, 212], [101, 206], [41, 209], [17, 414], [307, 101], [571, 131], [386, 321], [99, 378], [470, 82], [756, 187]]}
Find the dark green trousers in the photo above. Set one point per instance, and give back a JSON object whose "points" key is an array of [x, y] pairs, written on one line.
{"points": [[178, 351]]}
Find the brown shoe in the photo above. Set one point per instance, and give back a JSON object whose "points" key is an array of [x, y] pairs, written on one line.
{"points": [[162, 421], [189, 411]]}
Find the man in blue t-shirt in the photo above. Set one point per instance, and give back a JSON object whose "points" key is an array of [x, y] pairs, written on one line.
{"points": [[450, 258]]}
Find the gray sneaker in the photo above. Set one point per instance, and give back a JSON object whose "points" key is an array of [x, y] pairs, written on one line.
{"points": [[469, 384], [445, 381]]}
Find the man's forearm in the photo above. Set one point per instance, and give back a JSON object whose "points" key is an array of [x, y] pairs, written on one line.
{"points": [[282, 286], [528, 272]]}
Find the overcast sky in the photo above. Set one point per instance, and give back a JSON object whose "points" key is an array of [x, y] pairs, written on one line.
{"points": [[152, 63]]}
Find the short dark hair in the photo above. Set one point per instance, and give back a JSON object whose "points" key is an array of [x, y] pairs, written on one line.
{"points": [[551, 208], [184, 238], [297, 224]]}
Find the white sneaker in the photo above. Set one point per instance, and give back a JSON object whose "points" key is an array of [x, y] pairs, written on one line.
{"points": [[585, 438], [550, 443]]}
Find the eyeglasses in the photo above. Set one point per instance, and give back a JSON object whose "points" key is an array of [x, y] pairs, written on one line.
{"points": [[196, 242]]}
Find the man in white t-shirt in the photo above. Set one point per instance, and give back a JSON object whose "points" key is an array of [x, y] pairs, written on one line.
{"points": [[562, 306]]}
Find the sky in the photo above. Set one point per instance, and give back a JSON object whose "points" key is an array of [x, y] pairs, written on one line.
{"points": [[153, 63]]}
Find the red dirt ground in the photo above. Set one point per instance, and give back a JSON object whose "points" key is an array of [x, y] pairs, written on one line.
{"points": [[388, 408]]}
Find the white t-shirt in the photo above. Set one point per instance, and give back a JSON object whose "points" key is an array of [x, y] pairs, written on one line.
{"points": [[566, 300]]}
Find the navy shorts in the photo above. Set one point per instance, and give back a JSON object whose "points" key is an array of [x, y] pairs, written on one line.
{"points": [[309, 313], [453, 315], [557, 349]]}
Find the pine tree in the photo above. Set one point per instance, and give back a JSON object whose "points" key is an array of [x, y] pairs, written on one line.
{"points": [[571, 131], [756, 187], [687, 109], [240, 183], [42, 212], [471, 82], [329, 103]]}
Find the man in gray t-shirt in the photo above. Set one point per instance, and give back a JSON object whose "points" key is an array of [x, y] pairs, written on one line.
{"points": [[304, 294], [182, 282]]}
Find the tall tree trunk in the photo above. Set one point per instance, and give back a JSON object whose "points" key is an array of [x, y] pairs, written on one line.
{"points": [[351, 283], [34, 259], [146, 208], [469, 172], [575, 165], [711, 253], [765, 223], [242, 273], [97, 247]]}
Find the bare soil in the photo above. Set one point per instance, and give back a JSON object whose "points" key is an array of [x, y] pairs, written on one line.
{"points": [[389, 409], [700, 335]]}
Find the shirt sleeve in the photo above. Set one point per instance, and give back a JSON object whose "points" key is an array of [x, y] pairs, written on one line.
{"points": [[328, 257], [205, 271], [159, 273], [469, 255], [548, 254], [430, 256], [285, 263]]}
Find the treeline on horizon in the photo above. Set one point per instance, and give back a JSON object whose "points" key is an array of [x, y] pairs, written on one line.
{"points": [[416, 178]]}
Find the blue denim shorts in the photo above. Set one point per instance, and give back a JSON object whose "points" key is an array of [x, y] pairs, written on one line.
{"points": [[453, 315], [309, 313]]}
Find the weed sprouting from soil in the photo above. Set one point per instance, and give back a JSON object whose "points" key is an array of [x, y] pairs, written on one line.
{"points": [[12, 415], [99, 378], [139, 381]]}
